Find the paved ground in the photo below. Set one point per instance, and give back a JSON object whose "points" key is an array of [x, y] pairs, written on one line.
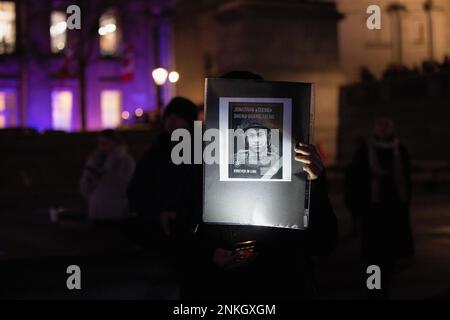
{"points": [[425, 276], [34, 255]]}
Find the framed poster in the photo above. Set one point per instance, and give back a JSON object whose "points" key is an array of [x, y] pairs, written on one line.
{"points": [[256, 180], [264, 152]]}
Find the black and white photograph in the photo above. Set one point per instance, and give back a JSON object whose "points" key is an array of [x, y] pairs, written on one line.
{"points": [[257, 139]]}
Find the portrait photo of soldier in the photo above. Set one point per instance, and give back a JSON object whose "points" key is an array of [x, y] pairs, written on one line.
{"points": [[261, 158]]}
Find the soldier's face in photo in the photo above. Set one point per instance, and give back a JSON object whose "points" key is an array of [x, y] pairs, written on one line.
{"points": [[257, 139]]}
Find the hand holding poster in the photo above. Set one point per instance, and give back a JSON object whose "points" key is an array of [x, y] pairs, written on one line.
{"points": [[257, 181]]}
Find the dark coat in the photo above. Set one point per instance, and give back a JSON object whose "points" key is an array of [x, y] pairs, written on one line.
{"points": [[159, 185], [283, 268], [386, 230]]}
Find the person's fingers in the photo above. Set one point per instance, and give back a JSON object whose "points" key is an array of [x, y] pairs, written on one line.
{"points": [[303, 159], [311, 159], [307, 169], [302, 149], [307, 149], [312, 170]]}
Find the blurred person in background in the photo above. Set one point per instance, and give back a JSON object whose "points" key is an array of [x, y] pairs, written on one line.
{"points": [[105, 178], [380, 187], [163, 194], [157, 183], [355, 205]]}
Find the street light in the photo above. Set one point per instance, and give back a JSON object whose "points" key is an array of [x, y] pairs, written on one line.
{"points": [[174, 76], [139, 112], [160, 76], [109, 28], [125, 115]]}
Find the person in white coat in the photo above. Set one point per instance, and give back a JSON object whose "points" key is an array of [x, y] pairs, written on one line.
{"points": [[105, 178]]}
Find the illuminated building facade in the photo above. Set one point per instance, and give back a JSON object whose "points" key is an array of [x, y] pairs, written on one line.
{"points": [[96, 77]]}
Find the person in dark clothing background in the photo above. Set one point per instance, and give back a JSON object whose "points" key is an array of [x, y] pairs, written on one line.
{"points": [[104, 180], [163, 196], [282, 267], [381, 190], [160, 191], [353, 203]]}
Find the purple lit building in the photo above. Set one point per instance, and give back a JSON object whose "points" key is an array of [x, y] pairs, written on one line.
{"points": [[54, 77]]}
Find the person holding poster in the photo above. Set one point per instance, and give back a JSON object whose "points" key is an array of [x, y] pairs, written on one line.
{"points": [[264, 262], [277, 263]]}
